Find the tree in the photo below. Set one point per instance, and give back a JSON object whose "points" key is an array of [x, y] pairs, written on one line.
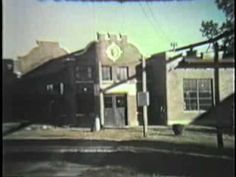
{"points": [[211, 29]]}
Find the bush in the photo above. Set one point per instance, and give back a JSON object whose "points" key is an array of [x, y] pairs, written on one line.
{"points": [[178, 129]]}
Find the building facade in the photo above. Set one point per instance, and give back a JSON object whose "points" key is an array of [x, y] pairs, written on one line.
{"points": [[73, 89], [8, 80], [103, 80], [186, 86]]}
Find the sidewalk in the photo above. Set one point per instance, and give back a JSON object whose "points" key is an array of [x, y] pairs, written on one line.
{"points": [[195, 140]]}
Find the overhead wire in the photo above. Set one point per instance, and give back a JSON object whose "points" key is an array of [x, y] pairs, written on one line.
{"points": [[94, 20], [157, 21], [146, 15], [122, 17], [107, 29]]}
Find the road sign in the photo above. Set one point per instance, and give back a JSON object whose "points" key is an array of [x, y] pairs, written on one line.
{"points": [[143, 99]]}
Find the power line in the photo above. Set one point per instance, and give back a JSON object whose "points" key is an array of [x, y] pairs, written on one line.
{"points": [[94, 19], [155, 19], [122, 17], [215, 39], [146, 15]]}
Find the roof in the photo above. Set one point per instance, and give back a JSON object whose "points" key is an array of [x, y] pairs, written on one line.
{"points": [[43, 52]]}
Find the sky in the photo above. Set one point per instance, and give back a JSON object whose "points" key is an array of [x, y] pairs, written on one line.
{"points": [[150, 26]]}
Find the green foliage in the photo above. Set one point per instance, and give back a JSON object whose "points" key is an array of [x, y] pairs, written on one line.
{"points": [[210, 29], [227, 6], [228, 42]]}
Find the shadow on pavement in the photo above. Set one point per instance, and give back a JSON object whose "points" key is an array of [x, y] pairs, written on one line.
{"points": [[143, 162], [149, 163], [66, 143]]}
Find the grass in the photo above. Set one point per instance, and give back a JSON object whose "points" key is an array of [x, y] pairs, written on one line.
{"points": [[165, 134]]}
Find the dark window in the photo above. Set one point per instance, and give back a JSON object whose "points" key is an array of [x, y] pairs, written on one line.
{"points": [[9, 67], [83, 73], [106, 73], [55, 88], [197, 94], [108, 101], [120, 101], [122, 73]]}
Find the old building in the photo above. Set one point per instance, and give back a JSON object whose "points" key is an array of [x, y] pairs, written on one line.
{"points": [[43, 52], [183, 86], [103, 80], [72, 89], [8, 80]]}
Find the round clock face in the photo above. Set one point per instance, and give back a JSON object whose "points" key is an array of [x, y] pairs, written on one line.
{"points": [[114, 52]]}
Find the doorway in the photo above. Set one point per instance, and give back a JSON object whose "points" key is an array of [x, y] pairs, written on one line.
{"points": [[115, 110]]}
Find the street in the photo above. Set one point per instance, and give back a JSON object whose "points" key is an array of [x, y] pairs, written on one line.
{"points": [[96, 158]]}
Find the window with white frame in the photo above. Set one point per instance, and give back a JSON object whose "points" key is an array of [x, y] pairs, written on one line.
{"points": [[197, 94], [106, 73], [122, 73]]}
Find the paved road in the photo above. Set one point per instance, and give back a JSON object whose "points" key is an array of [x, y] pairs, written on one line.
{"points": [[73, 158]]}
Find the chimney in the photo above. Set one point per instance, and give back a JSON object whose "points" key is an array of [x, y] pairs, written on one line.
{"points": [[101, 37], [113, 37], [123, 38], [47, 43], [191, 55]]}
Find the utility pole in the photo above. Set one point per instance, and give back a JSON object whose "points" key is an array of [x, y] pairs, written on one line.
{"points": [[173, 45], [101, 95], [97, 119], [144, 85], [220, 142]]}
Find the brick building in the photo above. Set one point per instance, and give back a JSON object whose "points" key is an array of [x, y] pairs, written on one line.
{"points": [[103, 80], [71, 89]]}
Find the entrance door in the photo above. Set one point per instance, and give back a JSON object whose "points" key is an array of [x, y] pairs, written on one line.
{"points": [[115, 107]]}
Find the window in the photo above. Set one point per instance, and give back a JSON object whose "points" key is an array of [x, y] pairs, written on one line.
{"points": [[120, 101], [83, 73], [55, 89], [61, 88], [9, 66], [49, 87], [108, 102], [197, 94], [122, 73], [106, 73]]}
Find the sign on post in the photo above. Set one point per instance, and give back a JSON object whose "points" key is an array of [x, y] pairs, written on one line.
{"points": [[143, 99]]}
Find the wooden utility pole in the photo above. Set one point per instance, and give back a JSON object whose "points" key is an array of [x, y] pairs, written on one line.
{"points": [[220, 142], [97, 97], [144, 85], [101, 94]]}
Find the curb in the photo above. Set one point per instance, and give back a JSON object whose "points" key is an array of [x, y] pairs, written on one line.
{"points": [[110, 149]]}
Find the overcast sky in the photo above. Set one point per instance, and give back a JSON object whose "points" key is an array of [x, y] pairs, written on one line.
{"points": [[151, 26]]}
